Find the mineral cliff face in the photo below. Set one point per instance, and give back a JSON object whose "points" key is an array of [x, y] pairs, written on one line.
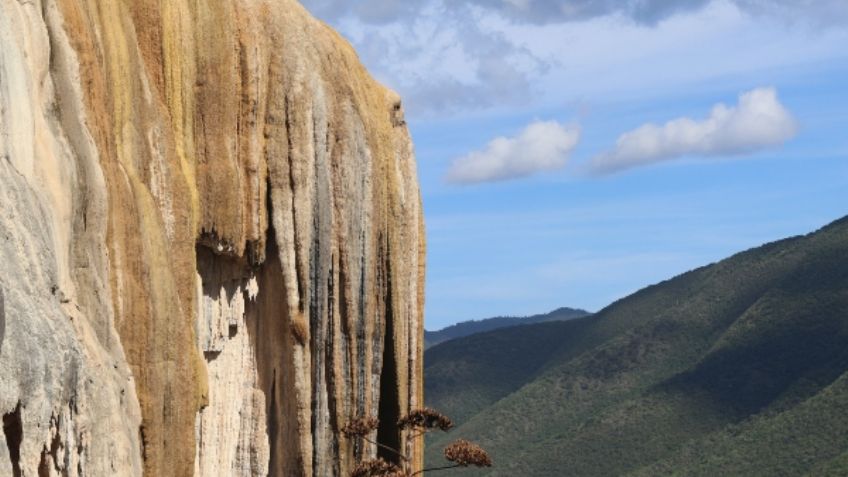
{"points": [[211, 242]]}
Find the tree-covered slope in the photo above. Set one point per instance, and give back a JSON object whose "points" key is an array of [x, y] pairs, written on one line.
{"points": [[736, 368], [465, 375]]}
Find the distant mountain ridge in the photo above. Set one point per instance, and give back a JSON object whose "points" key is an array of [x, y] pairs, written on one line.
{"points": [[465, 328], [465, 375], [736, 368]]}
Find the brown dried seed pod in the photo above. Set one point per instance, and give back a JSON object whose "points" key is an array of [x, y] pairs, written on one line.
{"points": [[466, 453], [377, 468], [360, 426], [425, 418]]}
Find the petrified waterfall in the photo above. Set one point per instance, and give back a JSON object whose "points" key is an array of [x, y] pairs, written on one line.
{"points": [[211, 242]]}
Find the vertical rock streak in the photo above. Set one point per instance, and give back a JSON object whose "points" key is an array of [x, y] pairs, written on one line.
{"points": [[217, 212]]}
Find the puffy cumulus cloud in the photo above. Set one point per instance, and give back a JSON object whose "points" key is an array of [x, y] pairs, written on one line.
{"points": [[758, 121], [541, 146]]}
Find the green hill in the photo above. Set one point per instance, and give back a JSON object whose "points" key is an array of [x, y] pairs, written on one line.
{"points": [[466, 375], [737, 368], [465, 328]]}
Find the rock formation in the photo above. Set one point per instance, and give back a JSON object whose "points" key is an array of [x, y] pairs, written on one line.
{"points": [[211, 242]]}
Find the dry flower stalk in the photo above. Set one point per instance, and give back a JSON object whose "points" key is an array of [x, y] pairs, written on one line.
{"points": [[377, 468], [464, 453], [425, 418], [361, 426], [460, 453]]}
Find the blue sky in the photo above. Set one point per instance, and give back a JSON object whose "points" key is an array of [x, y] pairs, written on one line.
{"points": [[614, 168]]}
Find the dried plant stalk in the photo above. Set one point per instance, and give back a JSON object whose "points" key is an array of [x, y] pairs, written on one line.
{"points": [[361, 426], [464, 453], [377, 468], [425, 418]]}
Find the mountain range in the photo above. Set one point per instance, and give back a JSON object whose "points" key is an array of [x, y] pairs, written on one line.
{"points": [[735, 368], [470, 327]]}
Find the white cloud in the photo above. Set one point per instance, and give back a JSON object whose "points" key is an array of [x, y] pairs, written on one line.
{"points": [[541, 146], [651, 12], [442, 59], [817, 13], [547, 12], [647, 12], [450, 58], [758, 121]]}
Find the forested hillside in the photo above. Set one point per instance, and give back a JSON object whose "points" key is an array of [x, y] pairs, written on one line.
{"points": [[736, 368]]}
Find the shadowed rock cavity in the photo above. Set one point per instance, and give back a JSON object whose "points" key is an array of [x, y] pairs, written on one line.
{"points": [[389, 408], [242, 332], [13, 431]]}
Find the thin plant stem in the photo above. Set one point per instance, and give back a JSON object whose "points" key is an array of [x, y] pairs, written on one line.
{"points": [[390, 449], [435, 468]]}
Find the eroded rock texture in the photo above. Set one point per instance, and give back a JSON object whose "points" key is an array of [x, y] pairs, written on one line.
{"points": [[211, 243]]}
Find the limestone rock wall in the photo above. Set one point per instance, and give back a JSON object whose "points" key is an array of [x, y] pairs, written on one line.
{"points": [[211, 242]]}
